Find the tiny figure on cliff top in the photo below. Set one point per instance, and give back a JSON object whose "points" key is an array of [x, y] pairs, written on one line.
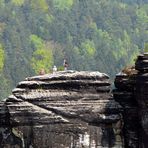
{"points": [[54, 69], [65, 64]]}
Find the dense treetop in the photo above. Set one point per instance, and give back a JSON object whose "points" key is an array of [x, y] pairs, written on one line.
{"points": [[103, 35]]}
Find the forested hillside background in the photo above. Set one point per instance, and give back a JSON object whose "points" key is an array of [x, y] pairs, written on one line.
{"points": [[103, 35]]}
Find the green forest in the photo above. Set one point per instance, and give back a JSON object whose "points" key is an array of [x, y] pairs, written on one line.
{"points": [[100, 35]]}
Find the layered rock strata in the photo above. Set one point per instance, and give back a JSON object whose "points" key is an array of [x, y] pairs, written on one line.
{"points": [[142, 97], [125, 95], [62, 110], [132, 93]]}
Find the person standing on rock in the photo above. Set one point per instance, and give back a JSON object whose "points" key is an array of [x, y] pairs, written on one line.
{"points": [[65, 64], [54, 69]]}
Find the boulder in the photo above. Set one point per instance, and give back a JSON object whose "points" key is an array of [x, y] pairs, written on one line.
{"points": [[64, 109]]}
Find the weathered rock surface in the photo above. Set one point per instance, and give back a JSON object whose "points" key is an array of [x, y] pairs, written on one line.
{"points": [[142, 97], [125, 95], [62, 110], [132, 94]]}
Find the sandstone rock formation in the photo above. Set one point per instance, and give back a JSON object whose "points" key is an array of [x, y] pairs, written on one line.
{"points": [[142, 98], [125, 95], [62, 110], [132, 94]]}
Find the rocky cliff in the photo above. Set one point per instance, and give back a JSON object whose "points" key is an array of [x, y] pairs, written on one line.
{"points": [[77, 110], [62, 110], [132, 94]]}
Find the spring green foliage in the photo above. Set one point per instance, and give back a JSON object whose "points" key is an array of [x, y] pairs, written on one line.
{"points": [[104, 35], [42, 56], [18, 2], [36, 41], [88, 48], [146, 47], [39, 5], [2, 57], [5, 86], [142, 15], [42, 59], [63, 4]]}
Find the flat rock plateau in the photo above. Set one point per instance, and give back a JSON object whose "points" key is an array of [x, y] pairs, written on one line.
{"points": [[67, 109]]}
